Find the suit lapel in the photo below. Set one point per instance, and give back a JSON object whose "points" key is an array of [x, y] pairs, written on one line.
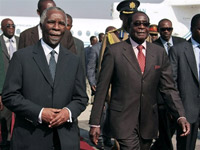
{"points": [[149, 59], [129, 54], [4, 48], [41, 61], [62, 64], [191, 60]]}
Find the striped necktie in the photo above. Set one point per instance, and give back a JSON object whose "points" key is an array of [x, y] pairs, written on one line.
{"points": [[141, 58]]}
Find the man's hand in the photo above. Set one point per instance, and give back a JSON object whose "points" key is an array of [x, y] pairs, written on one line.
{"points": [[94, 134], [185, 126], [60, 118], [1, 104], [49, 113], [93, 87]]}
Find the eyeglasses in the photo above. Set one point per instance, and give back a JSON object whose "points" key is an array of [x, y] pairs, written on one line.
{"points": [[137, 24], [164, 29], [10, 25], [153, 34]]}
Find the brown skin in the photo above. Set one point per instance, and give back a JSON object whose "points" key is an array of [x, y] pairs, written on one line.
{"points": [[1, 104], [94, 41], [45, 5], [165, 34], [196, 32], [139, 35], [8, 31], [69, 23], [53, 29]]}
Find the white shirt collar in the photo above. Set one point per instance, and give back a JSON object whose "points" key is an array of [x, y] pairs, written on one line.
{"points": [[6, 39], [134, 44], [48, 49]]}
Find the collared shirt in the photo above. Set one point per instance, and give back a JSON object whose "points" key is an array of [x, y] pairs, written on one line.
{"points": [[196, 53], [47, 50], [165, 43], [39, 32], [134, 46], [7, 43]]}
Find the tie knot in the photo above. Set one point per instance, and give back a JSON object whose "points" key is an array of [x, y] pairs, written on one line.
{"points": [[53, 52], [140, 48]]}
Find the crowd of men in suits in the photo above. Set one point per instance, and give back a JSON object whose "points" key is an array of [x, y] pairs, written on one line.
{"points": [[144, 87]]}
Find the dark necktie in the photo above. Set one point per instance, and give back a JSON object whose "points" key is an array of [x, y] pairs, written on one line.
{"points": [[11, 48], [168, 47], [141, 58], [52, 64]]}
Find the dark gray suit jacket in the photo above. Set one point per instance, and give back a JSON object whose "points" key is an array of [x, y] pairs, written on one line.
{"points": [[133, 97], [6, 57], [29, 87], [92, 66], [185, 74]]}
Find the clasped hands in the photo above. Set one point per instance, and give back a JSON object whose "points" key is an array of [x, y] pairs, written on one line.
{"points": [[55, 117]]}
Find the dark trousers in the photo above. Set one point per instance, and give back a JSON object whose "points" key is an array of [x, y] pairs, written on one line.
{"points": [[135, 142], [188, 142], [56, 140], [167, 127]]}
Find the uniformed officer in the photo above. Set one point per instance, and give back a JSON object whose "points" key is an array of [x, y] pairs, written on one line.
{"points": [[126, 8]]}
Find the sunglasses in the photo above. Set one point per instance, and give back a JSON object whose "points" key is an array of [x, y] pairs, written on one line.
{"points": [[164, 29], [153, 34], [137, 24], [10, 25]]}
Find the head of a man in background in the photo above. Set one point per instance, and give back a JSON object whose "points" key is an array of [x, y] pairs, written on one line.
{"points": [[8, 27]]}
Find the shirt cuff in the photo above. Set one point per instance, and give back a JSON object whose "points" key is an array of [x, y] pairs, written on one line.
{"points": [[40, 116], [96, 126], [180, 118], [70, 115]]}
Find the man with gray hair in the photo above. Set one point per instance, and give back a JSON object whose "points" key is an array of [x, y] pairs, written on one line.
{"points": [[45, 88]]}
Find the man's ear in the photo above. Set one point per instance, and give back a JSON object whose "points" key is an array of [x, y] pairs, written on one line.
{"points": [[38, 12]]}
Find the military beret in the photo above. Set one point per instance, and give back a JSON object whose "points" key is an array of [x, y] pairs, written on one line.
{"points": [[128, 6], [153, 28]]}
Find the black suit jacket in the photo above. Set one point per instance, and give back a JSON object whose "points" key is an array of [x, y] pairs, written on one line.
{"points": [[80, 51], [31, 37], [175, 40], [133, 95], [185, 74], [29, 87]]}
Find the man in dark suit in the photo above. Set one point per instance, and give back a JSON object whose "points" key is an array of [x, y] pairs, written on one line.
{"points": [[78, 43], [167, 124], [45, 87], [185, 61], [9, 44], [166, 39], [32, 35], [137, 70]]}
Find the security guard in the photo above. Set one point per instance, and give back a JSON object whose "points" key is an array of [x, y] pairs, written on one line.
{"points": [[126, 8]]}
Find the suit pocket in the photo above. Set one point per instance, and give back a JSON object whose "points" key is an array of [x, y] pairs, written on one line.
{"points": [[116, 107]]}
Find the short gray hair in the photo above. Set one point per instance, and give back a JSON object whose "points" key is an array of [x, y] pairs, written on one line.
{"points": [[44, 14]]}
